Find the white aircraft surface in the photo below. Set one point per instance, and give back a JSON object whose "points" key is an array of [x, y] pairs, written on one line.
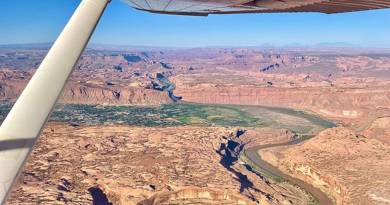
{"points": [[24, 123]]}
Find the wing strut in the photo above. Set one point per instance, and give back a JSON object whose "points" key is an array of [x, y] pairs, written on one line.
{"points": [[23, 125]]}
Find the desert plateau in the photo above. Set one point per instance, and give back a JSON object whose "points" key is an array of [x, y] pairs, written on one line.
{"points": [[250, 125]]}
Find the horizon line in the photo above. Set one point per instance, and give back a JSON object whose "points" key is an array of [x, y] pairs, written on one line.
{"points": [[265, 45]]}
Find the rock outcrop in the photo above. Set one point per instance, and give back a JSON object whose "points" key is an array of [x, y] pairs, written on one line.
{"points": [[195, 195], [13, 82], [347, 105], [351, 168], [81, 94]]}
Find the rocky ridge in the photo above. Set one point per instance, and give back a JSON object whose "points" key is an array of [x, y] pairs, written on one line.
{"points": [[358, 172]]}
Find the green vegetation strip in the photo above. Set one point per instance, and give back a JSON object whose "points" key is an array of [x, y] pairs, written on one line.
{"points": [[179, 114], [151, 116]]}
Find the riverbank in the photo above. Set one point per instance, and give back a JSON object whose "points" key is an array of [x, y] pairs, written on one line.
{"points": [[252, 158], [350, 167]]}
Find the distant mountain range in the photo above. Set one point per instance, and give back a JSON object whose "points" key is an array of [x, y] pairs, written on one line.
{"points": [[27, 45], [135, 47]]}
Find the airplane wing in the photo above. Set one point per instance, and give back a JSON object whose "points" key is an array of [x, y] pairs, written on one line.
{"points": [[22, 127], [206, 7]]}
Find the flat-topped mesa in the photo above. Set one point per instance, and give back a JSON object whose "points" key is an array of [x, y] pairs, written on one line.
{"points": [[344, 104], [80, 94], [85, 94]]}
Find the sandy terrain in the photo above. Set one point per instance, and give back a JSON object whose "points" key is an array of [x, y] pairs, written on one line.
{"points": [[188, 164], [352, 168], [135, 165]]}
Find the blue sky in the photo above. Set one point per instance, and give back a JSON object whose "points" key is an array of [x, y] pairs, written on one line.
{"points": [[39, 21]]}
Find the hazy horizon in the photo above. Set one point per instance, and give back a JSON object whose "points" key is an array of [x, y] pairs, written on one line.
{"points": [[26, 22], [340, 45]]}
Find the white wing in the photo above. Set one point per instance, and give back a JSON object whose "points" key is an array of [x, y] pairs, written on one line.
{"points": [[206, 7], [21, 128]]}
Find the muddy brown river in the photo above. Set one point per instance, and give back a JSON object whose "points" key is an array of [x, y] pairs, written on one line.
{"points": [[253, 155]]}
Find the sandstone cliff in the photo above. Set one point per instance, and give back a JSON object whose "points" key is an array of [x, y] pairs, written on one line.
{"points": [[81, 94], [94, 94], [347, 105], [351, 168]]}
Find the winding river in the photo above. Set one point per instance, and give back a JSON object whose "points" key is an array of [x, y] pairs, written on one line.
{"points": [[253, 155]]}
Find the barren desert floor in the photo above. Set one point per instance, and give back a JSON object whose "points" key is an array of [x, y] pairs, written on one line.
{"points": [[210, 126], [235, 127]]}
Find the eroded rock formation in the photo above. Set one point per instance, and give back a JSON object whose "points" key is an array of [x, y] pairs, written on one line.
{"points": [[139, 165], [350, 167]]}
